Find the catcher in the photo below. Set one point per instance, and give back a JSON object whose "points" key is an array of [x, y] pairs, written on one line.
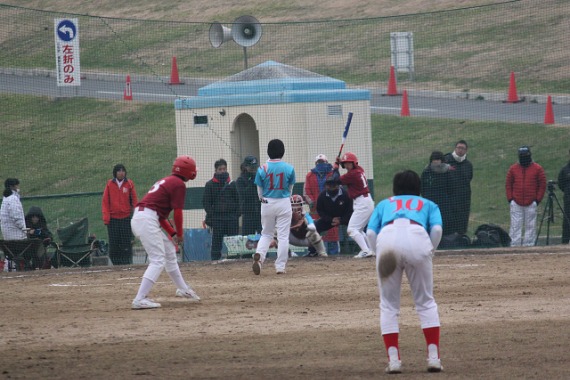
{"points": [[303, 231]]}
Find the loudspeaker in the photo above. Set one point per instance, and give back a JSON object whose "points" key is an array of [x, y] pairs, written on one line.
{"points": [[246, 31], [219, 34]]}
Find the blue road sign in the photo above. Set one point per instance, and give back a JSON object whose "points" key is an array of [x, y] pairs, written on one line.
{"points": [[66, 30]]}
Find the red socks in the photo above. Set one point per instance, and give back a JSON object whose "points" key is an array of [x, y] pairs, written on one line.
{"points": [[432, 337], [391, 340]]}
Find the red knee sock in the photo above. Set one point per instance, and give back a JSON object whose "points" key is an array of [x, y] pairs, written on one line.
{"points": [[391, 340], [432, 337]]}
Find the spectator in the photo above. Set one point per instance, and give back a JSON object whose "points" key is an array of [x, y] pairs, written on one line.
{"points": [[405, 230], [459, 189], [275, 181], [314, 185], [248, 200], [221, 202], [334, 206], [38, 229], [436, 187], [151, 213], [119, 199], [363, 205], [525, 187], [303, 230], [12, 218], [564, 185]]}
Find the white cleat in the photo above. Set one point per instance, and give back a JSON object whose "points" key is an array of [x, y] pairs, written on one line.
{"points": [[394, 366], [363, 254], [434, 365], [189, 294], [145, 303]]}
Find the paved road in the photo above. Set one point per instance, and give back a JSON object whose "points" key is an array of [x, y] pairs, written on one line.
{"points": [[426, 104]]}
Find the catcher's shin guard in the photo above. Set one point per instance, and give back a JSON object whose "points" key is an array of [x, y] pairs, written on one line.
{"points": [[316, 241]]}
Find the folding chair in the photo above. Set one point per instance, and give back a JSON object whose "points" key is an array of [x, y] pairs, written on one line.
{"points": [[21, 254], [74, 249]]}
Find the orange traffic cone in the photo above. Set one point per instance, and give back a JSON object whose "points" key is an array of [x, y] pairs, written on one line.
{"points": [[549, 114], [392, 90], [128, 93], [174, 79], [405, 106], [512, 97]]}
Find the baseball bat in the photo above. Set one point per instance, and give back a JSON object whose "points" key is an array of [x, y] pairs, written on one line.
{"points": [[345, 133]]}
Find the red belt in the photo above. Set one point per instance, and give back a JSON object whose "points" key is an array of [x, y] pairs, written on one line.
{"points": [[141, 208], [411, 222], [363, 195]]}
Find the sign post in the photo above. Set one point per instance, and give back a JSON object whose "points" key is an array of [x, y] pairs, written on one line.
{"points": [[66, 33]]}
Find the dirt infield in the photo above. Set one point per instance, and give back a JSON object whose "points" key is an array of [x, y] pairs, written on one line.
{"points": [[505, 314]]}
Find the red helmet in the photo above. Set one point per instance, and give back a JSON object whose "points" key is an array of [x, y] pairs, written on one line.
{"points": [[185, 166], [349, 157]]}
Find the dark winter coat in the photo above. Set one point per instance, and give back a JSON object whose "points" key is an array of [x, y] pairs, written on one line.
{"points": [[221, 201]]}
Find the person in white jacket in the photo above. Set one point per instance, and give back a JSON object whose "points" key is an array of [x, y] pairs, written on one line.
{"points": [[12, 219]]}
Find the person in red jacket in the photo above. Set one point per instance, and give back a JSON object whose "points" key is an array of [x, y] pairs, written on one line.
{"points": [[119, 199], [525, 187]]}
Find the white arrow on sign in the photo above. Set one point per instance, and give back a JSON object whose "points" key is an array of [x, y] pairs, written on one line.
{"points": [[67, 30]]}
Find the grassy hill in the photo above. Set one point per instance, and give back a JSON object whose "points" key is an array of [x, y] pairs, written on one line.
{"points": [[53, 154]]}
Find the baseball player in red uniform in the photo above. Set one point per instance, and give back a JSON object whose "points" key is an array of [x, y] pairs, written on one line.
{"points": [[151, 213], [363, 205], [405, 230]]}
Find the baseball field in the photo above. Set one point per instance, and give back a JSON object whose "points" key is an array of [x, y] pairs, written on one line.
{"points": [[505, 314]]}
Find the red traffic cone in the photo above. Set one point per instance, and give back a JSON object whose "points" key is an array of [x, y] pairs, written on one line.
{"points": [[405, 106], [549, 114], [392, 90], [174, 79], [128, 93], [512, 97]]}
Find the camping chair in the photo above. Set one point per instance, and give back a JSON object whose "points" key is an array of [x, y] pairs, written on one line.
{"points": [[74, 248], [21, 254]]}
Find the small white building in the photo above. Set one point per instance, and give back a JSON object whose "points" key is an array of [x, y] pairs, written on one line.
{"points": [[239, 115]]}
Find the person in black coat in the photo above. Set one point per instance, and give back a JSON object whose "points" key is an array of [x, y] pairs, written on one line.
{"points": [[564, 185], [436, 184], [38, 229], [460, 187], [334, 206], [221, 202], [250, 205]]}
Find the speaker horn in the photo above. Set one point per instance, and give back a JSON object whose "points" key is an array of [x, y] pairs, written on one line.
{"points": [[219, 34], [246, 31]]}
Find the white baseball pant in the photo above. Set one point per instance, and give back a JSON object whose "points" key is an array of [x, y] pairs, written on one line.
{"points": [[362, 209], [275, 215], [160, 250]]}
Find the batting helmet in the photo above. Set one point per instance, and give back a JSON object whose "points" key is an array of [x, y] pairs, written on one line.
{"points": [[349, 157], [185, 167]]}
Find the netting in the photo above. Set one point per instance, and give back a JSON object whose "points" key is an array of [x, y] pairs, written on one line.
{"points": [[480, 74]]}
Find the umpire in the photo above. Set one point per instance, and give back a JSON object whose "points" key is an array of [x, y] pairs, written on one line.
{"points": [[334, 206]]}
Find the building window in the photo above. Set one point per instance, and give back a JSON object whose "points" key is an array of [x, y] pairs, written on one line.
{"points": [[200, 120], [334, 111]]}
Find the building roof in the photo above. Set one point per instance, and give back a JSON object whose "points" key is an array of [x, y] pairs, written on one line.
{"points": [[272, 83]]}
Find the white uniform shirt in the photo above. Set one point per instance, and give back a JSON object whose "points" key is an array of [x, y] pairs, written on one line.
{"points": [[12, 218]]}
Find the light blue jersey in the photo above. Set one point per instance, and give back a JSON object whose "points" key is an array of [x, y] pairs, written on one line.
{"points": [[275, 177], [420, 210]]}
